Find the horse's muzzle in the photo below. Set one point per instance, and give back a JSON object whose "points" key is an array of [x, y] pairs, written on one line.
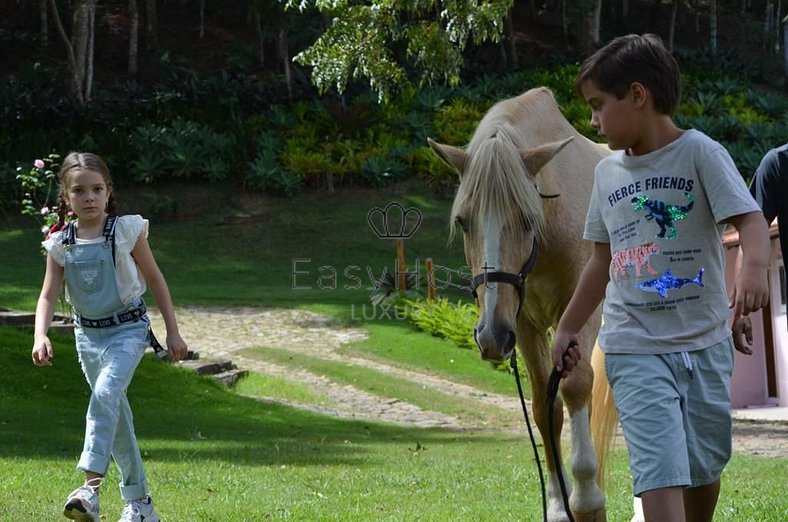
{"points": [[495, 342]]}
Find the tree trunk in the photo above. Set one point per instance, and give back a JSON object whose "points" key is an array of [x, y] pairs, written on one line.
{"points": [[44, 24], [696, 7], [202, 19], [91, 45], [79, 47], [588, 20], [512, 41], [285, 55], [785, 45], [777, 26], [624, 9], [151, 26], [672, 30], [258, 29], [134, 37], [713, 26]]}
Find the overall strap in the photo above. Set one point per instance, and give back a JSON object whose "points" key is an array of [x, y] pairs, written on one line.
{"points": [[109, 233], [70, 234]]}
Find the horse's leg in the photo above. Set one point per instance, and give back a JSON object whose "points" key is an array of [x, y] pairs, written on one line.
{"points": [[588, 500], [534, 349]]}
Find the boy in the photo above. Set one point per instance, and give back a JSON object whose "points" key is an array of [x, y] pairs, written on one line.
{"points": [[656, 215]]}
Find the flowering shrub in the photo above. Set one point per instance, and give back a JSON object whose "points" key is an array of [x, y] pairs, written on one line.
{"points": [[40, 189]]}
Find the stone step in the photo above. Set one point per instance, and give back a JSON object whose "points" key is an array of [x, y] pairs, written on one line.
{"points": [[208, 367], [230, 377]]}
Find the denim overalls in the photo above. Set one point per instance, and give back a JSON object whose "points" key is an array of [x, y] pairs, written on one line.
{"points": [[111, 338]]}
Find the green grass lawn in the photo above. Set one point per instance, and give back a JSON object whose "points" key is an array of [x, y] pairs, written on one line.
{"points": [[212, 454]]}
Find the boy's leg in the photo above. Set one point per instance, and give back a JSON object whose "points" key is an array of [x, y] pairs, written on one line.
{"points": [[648, 400], [700, 502], [664, 504]]}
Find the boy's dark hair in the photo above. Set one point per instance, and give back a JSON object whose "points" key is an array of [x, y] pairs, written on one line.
{"points": [[635, 58]]}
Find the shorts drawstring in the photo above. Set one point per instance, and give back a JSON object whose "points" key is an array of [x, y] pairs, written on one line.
{"points": [[687, 363]]}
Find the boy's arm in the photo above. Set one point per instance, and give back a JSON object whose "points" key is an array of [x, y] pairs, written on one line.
{"points": [[161, 292], [750, 290], [42, 347], [588, 294]]}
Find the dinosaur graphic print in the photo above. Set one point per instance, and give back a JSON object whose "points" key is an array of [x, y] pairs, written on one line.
{"points": [[663, 214]]}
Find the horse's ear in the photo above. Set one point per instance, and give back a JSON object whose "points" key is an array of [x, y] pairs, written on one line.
{"points": [[452, 156], [538, 157]]}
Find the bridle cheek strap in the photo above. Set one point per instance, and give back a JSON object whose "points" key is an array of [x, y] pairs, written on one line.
{"points": [[516, 280]]}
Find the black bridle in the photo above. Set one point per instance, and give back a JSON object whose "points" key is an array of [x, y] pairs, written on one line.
{"points": [[516, 280]]}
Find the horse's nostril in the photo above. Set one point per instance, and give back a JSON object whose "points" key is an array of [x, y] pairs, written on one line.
{"points": [[476, 340]]}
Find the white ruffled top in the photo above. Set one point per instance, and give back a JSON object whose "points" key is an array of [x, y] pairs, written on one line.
{"points": [[131, 283]]}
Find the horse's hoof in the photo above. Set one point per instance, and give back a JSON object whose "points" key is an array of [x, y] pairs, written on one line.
{"points": [[599, 515]]}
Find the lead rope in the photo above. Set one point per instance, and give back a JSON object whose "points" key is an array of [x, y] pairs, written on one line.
{"points": [[552, 392], [513, 362]]}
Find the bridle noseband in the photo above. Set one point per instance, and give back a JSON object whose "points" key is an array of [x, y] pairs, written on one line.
{"points": [[516, 280]]}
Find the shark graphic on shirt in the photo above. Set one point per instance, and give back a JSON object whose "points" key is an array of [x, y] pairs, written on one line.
{"points": [[667, 281]]}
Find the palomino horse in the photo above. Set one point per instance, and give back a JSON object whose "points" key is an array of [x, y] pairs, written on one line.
{"points": [[525, 183]]}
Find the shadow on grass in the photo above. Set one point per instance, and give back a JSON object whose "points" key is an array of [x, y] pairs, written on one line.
{"points": [[179, 414]]}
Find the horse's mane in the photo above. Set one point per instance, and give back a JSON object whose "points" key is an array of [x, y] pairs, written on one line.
{"points": [[495, 182]]}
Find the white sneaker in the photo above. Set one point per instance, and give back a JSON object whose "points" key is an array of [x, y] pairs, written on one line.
{"points": [[140, 510], [83, 502]]}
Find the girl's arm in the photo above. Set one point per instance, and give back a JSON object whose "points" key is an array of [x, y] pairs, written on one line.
{"points": [[158, 286], [588, 294], [750, 290], [45, 309]]}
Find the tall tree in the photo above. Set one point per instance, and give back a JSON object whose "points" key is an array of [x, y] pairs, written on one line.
{"points": [[381, 41], [134, 37], [151, 26], [79, 47], [44, 31], [583, 20], [713, 26]]}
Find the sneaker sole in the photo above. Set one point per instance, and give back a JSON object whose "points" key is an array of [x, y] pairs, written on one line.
{"points": [[76, 510]]}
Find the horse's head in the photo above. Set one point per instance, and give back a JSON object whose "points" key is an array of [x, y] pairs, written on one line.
{"points": [[498, 207]]}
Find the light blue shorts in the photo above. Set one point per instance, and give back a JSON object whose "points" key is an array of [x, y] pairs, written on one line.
{"points": [[675, 410]]}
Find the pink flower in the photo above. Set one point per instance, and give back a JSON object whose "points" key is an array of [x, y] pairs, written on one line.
{"points": [[39, 164], [45, 229], [44, 211]]}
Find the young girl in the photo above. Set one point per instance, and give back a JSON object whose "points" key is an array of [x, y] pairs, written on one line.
{"points": [[106, 261]]}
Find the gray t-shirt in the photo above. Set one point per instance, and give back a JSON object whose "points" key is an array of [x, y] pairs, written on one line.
{"points": [[661, 213]]}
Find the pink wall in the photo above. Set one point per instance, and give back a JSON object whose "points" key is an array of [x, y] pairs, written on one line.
{"points": [[749, 386]]}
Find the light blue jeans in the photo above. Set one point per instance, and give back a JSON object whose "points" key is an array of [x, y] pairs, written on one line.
{"points": [[109, 357]]}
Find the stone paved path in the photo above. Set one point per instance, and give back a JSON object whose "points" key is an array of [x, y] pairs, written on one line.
{"points": [[220, 333]]}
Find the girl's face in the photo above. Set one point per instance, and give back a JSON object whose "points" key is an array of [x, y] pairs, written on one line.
{"points": [[87, 194]]}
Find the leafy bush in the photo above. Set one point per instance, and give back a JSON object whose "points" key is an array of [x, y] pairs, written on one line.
{"points": [[441, 318], [180, 150]]}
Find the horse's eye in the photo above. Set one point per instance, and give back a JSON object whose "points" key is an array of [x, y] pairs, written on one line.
{"points": [[461, 222]]}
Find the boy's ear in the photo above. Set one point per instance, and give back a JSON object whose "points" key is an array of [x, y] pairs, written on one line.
{"points": [[639, 93]]}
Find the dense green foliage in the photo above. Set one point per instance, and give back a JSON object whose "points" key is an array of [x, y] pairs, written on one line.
{"points": [[188, 130]]}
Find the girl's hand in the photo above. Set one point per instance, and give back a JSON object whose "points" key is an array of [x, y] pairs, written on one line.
{"points": [[176, 346], [42, 352]]}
